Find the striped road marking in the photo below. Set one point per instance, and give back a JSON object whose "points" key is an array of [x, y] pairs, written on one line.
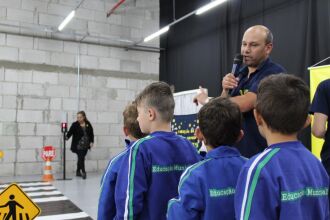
{"points": [[64, 216]]}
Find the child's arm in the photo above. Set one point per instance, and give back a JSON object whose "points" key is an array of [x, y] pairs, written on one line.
{"points": [[259, 198], [132, 183], [107, 206], [190, 203]]}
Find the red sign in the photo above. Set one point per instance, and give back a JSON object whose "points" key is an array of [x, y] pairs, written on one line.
{"points": [[48, 153]]}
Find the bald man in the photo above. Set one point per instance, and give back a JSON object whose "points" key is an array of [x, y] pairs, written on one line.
{"points": [[257, 44]]}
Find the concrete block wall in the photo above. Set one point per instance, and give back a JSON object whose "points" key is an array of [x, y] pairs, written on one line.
{"points": [[38, 80]]}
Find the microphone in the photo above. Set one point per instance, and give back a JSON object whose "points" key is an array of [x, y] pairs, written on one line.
{"points": [[238, 59]]}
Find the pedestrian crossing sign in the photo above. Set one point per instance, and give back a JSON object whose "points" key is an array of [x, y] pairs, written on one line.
{"points": [[15, 204]]}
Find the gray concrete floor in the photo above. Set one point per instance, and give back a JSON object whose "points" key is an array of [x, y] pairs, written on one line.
{"points": [[83, 193]]}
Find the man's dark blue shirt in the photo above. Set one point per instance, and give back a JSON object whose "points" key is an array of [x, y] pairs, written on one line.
{"points": [[252, 142]]}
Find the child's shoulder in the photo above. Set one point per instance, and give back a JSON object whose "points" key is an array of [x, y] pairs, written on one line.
{"points": [[197, 168], [263, 158]]}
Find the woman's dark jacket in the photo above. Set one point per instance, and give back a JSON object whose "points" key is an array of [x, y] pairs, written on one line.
{"points": [[77, 133]]}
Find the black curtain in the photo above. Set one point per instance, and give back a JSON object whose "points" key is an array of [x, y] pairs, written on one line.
{"points": [[200, 49]]}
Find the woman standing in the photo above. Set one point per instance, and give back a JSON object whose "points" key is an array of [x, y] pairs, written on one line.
{"points": [[82, 140]]}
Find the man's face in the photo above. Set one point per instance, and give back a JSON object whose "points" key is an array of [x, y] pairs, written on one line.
{"points": [[254, 48], [143, 119]]}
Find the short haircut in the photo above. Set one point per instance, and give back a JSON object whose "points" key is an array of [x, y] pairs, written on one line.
{"points": [[130, 115], [158, 95], [269, 37], [283, 103], [220, 122]]}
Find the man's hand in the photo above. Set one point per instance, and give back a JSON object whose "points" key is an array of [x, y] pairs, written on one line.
{"points": [[229, 82], [201, 97]]}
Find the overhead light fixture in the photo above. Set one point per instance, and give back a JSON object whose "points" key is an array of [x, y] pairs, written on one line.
{"points": [[66, 20], [209, 6], [156, 34], [199, 11]]}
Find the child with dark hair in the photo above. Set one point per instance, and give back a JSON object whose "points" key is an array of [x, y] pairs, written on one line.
{"points": [[107, 206], [207, 188], [152, 167], [285, 181]]}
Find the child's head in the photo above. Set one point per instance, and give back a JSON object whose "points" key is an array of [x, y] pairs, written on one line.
{"points": [[155, 104], [220, 122], [282, 104], [131, 125]]}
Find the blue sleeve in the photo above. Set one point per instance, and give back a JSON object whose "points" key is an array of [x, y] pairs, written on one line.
{"points": [[190, 203], [132, 183], [107, 206], [258, 199], [321, 100]]}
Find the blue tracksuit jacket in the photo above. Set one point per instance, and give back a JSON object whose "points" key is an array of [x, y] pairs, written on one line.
{"points": [[106, 206], [207, 188], [283, 182], [149, 175]]}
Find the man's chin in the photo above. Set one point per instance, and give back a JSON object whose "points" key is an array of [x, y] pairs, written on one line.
{"points": [[250, 64]]}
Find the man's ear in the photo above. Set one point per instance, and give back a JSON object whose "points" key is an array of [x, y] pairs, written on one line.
{"points": [[269, 48], [257, 117], [151, 114], [308, 121], [198, 134], [240, 136]]}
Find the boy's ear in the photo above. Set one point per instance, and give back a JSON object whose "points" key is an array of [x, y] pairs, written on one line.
{"points": [[257, 117], [198, 134], [125, 130], [241, 135], [151, 114], [308, 121]]}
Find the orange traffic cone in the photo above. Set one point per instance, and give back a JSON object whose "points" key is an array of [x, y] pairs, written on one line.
{"points": [[48, 174]]}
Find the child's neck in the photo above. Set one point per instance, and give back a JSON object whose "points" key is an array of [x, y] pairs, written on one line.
{"points": [[131, 138], [160, 126], [273, 138]]}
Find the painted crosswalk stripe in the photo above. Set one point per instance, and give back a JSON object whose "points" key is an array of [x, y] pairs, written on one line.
{"points": [[64, 216], [30, 189], [49, 193], [49, 199], [28, 184]]}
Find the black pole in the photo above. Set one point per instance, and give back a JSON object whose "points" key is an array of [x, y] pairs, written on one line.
{"points": [[64, 131], [64, 151]]}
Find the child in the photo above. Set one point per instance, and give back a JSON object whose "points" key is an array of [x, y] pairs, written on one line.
{"points": [[207, 188], [151, 170], [106, 206], [285, 181]]}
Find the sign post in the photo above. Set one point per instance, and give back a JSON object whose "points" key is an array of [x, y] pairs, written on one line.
{"points": [[64, 130]]}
